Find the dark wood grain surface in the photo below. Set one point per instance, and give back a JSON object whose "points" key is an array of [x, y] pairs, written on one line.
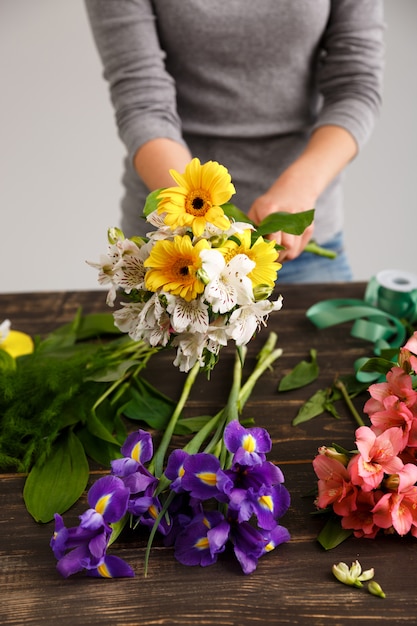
{"points": [[293, 584]]}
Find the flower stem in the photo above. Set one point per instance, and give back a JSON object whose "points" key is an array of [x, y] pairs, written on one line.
{"points": [[157, 464], [339, 385]]}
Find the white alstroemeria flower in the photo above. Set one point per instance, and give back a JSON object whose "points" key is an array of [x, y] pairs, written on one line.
{"points": [[190, 350], [247, 319], [110, 264], [144, 320], [217, 335], [162, 230], [4, 330], [188, 316], [228, 284], [129, 272], [126, 319], [239, 227]]}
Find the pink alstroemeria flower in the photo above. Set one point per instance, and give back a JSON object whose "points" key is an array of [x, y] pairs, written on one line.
{"points": [[334, 485], [377, 455], [396, 414], [359, 517], [398, 509], [408, 358], [399, 386]]}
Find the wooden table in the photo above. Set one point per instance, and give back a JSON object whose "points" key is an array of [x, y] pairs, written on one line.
{"points": [[293, 584]]}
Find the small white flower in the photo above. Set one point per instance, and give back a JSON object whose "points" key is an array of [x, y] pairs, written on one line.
{"points": [[228, 284], [352, 576], [190, 350], [4, 330], [247, 319], [188, 316]]}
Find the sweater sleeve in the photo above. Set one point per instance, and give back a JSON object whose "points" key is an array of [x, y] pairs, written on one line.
{"points": [[142, 92], [351, 67]]}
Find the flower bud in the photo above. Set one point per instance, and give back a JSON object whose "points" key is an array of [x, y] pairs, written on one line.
{"points": [[375, 589], [261, 292], [217, 241], [352, 576], [114, 234], [332, 453]]}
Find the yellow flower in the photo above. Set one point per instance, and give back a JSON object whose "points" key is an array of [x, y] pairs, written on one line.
{"points": [[197, 199], [14, 342], [174, 265], [263, 253]]}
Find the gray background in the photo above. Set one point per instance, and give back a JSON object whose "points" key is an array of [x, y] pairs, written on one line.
{"points": [[60, 157]]}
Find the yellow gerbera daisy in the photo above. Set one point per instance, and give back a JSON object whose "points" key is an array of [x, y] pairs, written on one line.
{"points": [[263, 253], [174, 265], [197, 199]]}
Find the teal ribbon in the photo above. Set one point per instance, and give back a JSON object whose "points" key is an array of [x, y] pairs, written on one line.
{"points": [[375, 319]]}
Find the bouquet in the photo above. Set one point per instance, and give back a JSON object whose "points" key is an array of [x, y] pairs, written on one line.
{"points": [[201, 278], [373, 489]]}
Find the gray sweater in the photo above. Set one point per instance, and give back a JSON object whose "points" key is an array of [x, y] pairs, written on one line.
{"points": [[240, 82]]}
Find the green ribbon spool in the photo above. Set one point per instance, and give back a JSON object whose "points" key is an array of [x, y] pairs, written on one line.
{"points": [[390, 297]]}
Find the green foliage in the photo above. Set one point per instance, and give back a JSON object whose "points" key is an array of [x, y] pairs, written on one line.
{"points": [[66, 399], [303, 374], [54, 484]]}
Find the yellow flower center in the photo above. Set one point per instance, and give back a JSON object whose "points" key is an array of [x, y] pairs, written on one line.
{"points": [[202, 544], [198, 202], [102, 503]]}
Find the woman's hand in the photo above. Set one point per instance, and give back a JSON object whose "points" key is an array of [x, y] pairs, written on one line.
{"points": [[329, 150]]}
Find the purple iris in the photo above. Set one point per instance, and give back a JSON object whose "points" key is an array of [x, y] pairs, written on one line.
{"points": [[203, 477], [175, 469], [137, 449], [202, 539], [268, 504], [249, 445], [84, 546]]}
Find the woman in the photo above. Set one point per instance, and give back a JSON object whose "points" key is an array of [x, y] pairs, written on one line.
{"points": [[284, 93]]}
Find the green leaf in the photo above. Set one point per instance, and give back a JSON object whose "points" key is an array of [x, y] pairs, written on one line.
{"points": [[332, 534], [148, 405], [97, 428], [316, 405], [293, 223], [100, 451], [376, 364], [151, 203], [55, 485], [303, 374], [96, 325], [191, 425], [113, 372], [235, 214]]}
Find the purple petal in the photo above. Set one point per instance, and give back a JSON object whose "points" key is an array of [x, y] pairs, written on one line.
{"points": [[250, 439], [138, 446], [204, 478], [175, 469], [112, 567], [109, 497]]}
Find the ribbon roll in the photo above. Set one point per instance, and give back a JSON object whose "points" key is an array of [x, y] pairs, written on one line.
{"points": [[390, 301], [395, 292]]}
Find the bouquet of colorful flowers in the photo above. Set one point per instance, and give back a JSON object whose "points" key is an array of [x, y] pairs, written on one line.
{"points": [[373, 490], [199, 279]]}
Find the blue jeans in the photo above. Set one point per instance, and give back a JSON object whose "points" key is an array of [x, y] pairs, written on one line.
{"points": [[311, 268]]}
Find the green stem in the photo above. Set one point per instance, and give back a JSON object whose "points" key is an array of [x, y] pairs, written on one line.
{"points": [[314, 248], [263, 365], [157, 464], [231, 410], [339, 385]]}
